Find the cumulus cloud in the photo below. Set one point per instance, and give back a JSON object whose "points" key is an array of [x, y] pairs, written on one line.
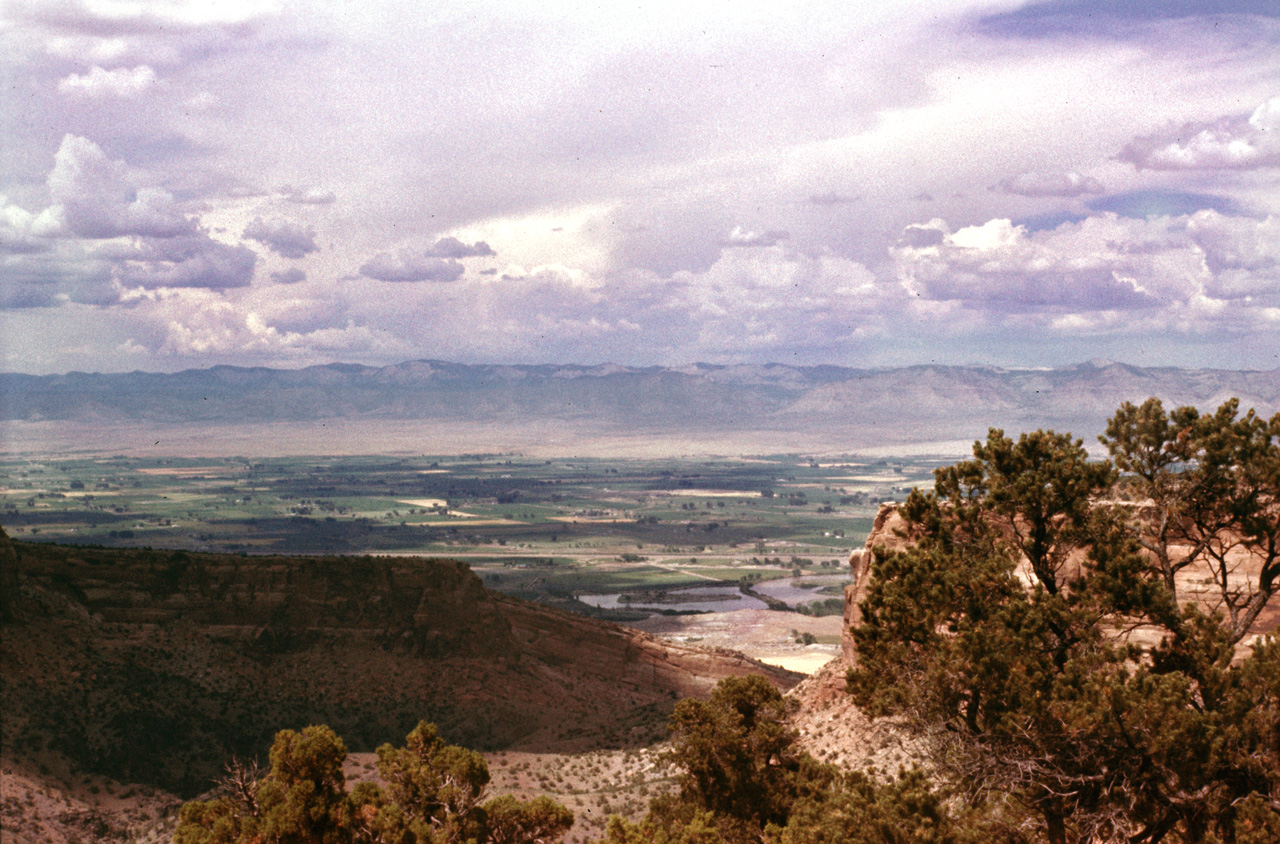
{"points": [[94, 197], [199, 325], [666, 139], [19, 230], [924, 235], [1231, 143], [120, 82], [1103, 263], [293, 275], [1051, 184], [190, 261], [451, 247], [744, 237], [103, 240], [286, 239], [1242, 253], [405, 265]]}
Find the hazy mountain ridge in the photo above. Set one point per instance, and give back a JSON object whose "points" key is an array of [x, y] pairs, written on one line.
{"points": [[927, 401]]}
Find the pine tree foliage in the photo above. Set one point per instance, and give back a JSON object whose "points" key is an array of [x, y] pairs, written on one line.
{"points": [[1032, 631], [433, 795], [744, 779]]}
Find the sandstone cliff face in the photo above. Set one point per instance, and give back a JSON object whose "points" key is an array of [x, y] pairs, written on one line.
{"points": [[885, 531], [1196, 583], [154, 667]]}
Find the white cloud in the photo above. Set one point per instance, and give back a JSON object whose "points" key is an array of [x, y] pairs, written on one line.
{"points": [[451, 247], [688, 184], [1242, 253], [88, 48], [19, 229], [1230, 143], [1103, 263], [197, 325], [191, 261], [286, 239], [1190, 276], [743, 237], [95, 198], [406, 265], [120, 82]]}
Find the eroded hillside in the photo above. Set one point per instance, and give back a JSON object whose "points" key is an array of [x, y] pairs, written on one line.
{"points": [[152, 668]]}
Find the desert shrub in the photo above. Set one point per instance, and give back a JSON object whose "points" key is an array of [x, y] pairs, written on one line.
{"points": [[433, 794]]}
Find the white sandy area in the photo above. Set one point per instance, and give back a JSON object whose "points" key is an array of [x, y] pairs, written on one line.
{"points": [[804, 663]]}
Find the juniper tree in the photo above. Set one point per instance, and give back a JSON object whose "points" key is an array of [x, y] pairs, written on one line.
{"points": [[1208, 490], [432, 795], [1003, 635]]}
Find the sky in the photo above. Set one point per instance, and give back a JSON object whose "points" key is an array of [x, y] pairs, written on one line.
{"points": [[285, 183]]}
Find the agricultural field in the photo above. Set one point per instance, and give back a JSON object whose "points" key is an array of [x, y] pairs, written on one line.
{"points": [[621, 539]]}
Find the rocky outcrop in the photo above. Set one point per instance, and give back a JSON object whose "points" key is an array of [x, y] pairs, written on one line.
{"points": [[886, 531], [1196, 584]]}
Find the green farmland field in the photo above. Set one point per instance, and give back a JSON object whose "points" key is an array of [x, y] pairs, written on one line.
{"points": [[548, 529]]}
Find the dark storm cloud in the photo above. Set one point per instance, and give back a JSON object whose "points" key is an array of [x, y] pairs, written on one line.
{"points": [[286, 239]]}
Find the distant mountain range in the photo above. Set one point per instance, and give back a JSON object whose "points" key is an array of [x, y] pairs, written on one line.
{"points": [[818, 404]]}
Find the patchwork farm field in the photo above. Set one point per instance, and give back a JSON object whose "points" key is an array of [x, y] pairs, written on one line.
{"points": [[626, 540]]}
